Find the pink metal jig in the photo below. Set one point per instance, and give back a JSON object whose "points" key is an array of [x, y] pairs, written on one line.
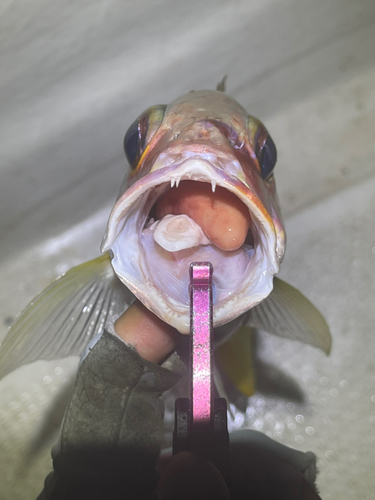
{"points": [[201, 343]]}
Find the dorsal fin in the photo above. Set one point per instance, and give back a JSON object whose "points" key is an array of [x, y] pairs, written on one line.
{"points": [[222, 84]]}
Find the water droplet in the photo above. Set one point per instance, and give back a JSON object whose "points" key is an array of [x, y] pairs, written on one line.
{"points": [[300, 419], [291, 426], [238, 420], [329, 455], [333, 392], [278, 435], [32, 408], [250, 411], [311, 410], [47, 379], [22, 417], [260, 402], [58, 370], [299, 439], [25, 396], [43, 399], [279, 426], [291, 407], [258, 425], [324, 380], [259, 412], [344, 384], [310, 431], [269, 417], [13, 405]]}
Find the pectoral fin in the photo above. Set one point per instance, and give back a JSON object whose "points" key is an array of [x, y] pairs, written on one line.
{"points": [[65, 316], [235, 357], [289, 314]]}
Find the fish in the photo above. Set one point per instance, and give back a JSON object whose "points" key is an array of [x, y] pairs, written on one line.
{"points": [[206, 148], [200, 187]]}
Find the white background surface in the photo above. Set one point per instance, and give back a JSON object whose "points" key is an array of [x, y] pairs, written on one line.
{"points": [[74, 75]]}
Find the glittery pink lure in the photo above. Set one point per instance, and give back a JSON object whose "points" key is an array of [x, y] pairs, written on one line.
{"points": [[201, 343]]}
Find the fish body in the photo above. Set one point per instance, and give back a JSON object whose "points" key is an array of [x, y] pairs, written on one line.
{"points": [[200, 188], [203, 137]]}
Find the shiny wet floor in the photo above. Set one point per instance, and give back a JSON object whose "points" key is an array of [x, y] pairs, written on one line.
{"points": [[78, 75]]}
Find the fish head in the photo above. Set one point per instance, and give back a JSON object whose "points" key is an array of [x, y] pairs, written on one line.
{"points": [[197, 163]]}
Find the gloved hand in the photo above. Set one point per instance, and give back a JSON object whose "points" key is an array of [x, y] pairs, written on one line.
{"points": [[113, 424]]}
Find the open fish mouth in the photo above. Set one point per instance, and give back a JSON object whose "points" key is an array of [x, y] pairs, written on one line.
{"points": [[151, 256]]}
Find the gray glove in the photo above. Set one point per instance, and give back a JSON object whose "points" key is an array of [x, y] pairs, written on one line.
{"points": [[113, 425]]}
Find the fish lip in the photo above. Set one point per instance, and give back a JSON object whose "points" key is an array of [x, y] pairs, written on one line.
{"points": [[196, 168], [160, 175]]}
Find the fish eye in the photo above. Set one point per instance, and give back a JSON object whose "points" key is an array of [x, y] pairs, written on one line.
{"points": [[131, 143], [267, 158], [140, 133]]}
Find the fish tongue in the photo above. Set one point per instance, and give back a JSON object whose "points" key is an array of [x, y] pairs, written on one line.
{"points": [[178, 232], [221, 215]]}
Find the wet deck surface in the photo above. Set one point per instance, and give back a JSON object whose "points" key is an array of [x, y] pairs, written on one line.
{"points": [[77, 74]]}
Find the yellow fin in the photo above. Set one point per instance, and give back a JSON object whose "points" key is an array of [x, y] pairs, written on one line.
{"points": [[64, 317], [289, 314], [236, 359]]}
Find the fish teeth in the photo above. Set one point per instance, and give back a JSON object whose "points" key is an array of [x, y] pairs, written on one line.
{"points": [[173, 180], [178, 181], [213, 185]]}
